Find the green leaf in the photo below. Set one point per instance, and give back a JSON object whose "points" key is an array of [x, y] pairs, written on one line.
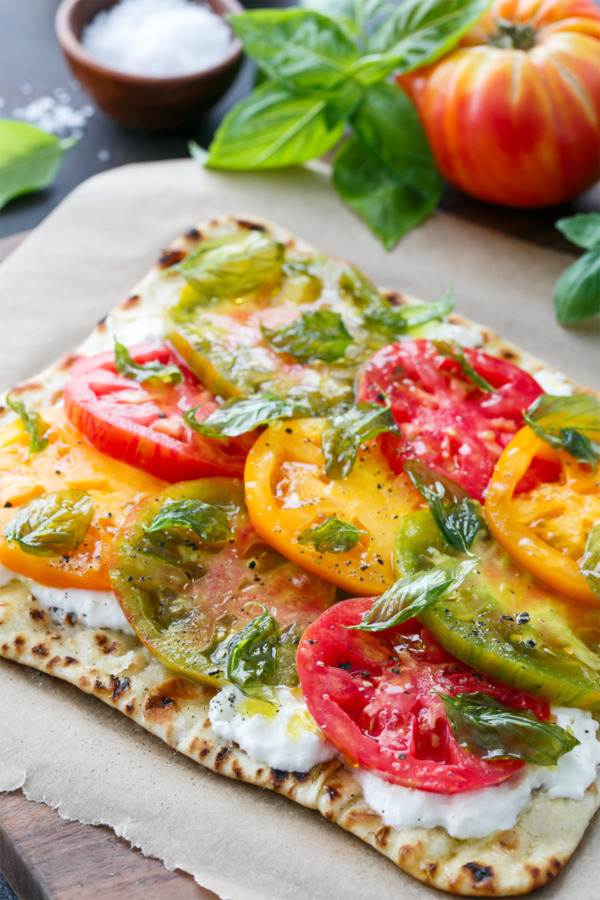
{"points": [[568, 423], [356, 14], [577, 291], [153, 371], [452, 350], [421, 31], [33, 424], [233, 265], [52, 524], [411, 595], [386, 172], [590, 563], [332, 536], [209, 522], [252, 657], [396, 321], [345, 432], [492, 730], [29, 159], [457, 516], [274, 127], [582, 230], [317, 335], [243, 414], [197, 152]]}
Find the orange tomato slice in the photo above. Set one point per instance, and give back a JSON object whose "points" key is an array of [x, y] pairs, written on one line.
{"points": [[67, 463]]}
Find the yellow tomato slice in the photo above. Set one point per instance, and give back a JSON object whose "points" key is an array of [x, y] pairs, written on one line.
{"points": [[288, 492], [545, 529], [67, 463]]}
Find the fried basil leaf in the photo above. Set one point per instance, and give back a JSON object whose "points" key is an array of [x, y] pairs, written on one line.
{"points": [[452, 350], [568, 423], [209, 522], [344, 433], [492, 730], [243, 414], [457, 515], [590, 563], [152, 371], [52, 524], [252, 657], [411, 595], [33, 424], [318, 335], [233, 265], [332, 536]]}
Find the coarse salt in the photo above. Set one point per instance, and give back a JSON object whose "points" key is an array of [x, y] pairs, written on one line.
{"points": [[157, 38]]}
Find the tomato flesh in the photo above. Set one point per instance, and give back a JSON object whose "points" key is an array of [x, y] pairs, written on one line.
{"points": [[142, 424], [372, 695], [455, 427]]}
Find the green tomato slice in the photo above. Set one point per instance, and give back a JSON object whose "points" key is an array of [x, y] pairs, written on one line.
{"points": [[504, 623], [187, 598]]}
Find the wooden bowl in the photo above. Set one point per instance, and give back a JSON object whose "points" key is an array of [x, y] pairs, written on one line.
{"points": [[153, 104]]}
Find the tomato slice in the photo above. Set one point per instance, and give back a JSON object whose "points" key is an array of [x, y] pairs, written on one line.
{"points": [[67, 463], [544, 527], [186, 598], [372, 695], [287, 492], [454, 426], [142, 424]]}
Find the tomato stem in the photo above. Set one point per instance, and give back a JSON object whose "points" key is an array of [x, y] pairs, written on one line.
{"points": [[512, 35]]}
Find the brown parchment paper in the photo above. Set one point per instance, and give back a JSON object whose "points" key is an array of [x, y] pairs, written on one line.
{"points": [[67, 749]]}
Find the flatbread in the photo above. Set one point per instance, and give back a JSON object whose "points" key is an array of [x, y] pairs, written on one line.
{"points": [[119, 670]]}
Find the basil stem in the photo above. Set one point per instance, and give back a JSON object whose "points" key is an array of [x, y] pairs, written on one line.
{"points": [[568, 423], [209, 522], [52, 524], [457, 515], [153, 371], [452, 350], [33, 424], [252, 657], [332, 536]]}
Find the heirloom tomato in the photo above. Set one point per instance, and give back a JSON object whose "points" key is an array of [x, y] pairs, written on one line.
{"points": [[513, 113]]}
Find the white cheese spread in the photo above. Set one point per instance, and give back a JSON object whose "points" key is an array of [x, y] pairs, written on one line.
{"points": [[450, 331], [554, 383], [285, 738], [481, 812]]}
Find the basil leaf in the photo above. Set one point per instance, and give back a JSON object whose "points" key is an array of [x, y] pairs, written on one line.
{"points": [[243, 414], [318, 335], [568, 423], [252, 657], [452, 350], [419, 32], [396, 321], [411, 595], [274, 127], [386, 172], [357, 14], [590, 563], [52, 524], [332, 536], [457, 516], [233, 265], [209, 522], [33, 424], [153, 371], [492, 730], [29, 159], [577, 291], [345, 432], [582, 230]]}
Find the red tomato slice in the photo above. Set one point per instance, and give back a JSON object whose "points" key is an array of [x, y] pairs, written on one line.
{"points": [[455, 427], [371, 694], [142, 424]]}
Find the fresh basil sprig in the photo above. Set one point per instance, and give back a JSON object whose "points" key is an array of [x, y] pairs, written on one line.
{"points": [[239, 415], [29, 158], [568, 423], [209, 522], [577, 291], [590, 563], [411, 595], [492, 730], [252, 657], [344, 433], [332, 536], [152, 371], [457, 515], [52, 524], [327, 74], [452, 350], [33, 424], [315, 335], [233, 265]]}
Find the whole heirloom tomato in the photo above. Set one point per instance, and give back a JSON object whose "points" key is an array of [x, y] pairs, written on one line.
{"points": [[513, 114]]}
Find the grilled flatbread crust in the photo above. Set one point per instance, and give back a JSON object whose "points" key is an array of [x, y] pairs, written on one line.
{"points": [[119, 670]]}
